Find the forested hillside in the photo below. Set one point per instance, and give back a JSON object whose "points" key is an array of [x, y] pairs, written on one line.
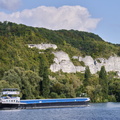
{"points": [[28, 69]]}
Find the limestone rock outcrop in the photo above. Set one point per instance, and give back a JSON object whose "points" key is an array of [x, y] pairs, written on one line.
{"points": [[62, 62], [111, 64], [43, 46]]}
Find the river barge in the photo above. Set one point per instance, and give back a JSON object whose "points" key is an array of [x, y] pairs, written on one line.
{"points": [[9, 100]]}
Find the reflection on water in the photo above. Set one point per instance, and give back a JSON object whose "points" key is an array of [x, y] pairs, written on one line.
{"points": [[95, 111], [105, 105]]}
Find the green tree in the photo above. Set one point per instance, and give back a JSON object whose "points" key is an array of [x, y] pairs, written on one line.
{"points": [[43, 72], [103, 82], [45, 83], [87, 76], [102, 74], [30, 84], [14, 76], [114, 89], [5, 84], [26, 81]]}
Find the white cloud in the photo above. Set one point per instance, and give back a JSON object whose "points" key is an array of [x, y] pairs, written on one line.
{"points": [[9, 4], [65, 17]]}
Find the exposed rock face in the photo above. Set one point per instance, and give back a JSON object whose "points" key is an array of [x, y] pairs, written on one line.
{"points": [[62, 62], [111, 64], [80, 69], [43, 46]]}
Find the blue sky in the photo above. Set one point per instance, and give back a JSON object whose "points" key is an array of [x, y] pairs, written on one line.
{"points": [[98, 16]]}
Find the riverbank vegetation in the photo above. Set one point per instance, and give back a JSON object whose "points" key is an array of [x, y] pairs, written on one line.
{"points": [[25, 68]]}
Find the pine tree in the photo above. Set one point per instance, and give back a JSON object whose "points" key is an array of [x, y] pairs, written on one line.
{"points": [[103, 82], [43, 72], [87, 76], [45, 83]]}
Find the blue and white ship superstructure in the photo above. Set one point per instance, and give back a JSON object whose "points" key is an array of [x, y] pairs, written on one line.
{"points": [[7, 96], [9, 100]]}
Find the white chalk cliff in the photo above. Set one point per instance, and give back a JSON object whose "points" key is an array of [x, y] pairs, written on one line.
{"points": [[42, 46], [62, 61], [111, 64]]}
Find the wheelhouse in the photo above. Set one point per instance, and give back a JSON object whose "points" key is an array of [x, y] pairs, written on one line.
{"points": [[10, 95]]}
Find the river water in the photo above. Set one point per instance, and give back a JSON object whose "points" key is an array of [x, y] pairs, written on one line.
{"points": [[95, 111]]}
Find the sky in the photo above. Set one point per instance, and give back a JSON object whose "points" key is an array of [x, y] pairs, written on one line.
{"points": [[97, 16]]}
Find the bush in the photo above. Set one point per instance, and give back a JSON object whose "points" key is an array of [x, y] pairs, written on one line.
{"points": [[54, 95]]}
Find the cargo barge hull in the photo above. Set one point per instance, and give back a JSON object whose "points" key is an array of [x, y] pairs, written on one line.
{"points": [[29, 104]]}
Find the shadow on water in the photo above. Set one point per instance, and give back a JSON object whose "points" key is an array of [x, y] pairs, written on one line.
{"points": [[105, 105]]}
